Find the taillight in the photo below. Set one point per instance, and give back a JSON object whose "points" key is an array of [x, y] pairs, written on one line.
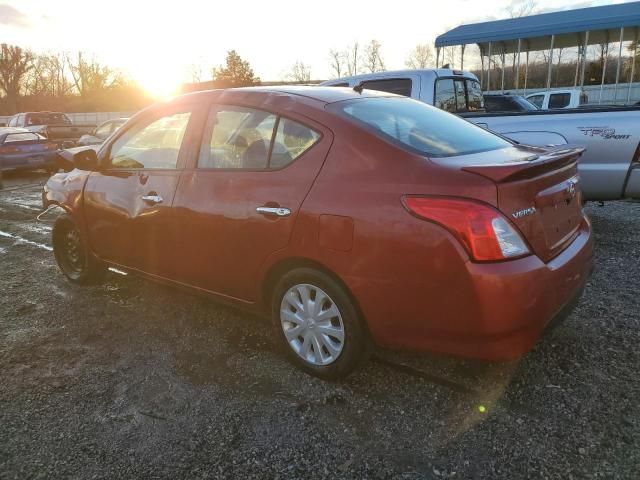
{"points": [[9, 149], [484, 232]]}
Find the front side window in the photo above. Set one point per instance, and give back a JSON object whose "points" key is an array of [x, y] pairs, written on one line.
{"points": [[559, 100], [151, 145], [419, 128], [537, 100], [399, 86], [243, 138]]}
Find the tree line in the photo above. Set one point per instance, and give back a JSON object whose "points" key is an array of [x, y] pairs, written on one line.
{"points": [[62, 81]]}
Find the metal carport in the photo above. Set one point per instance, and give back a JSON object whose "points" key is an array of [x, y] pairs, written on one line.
{"points": [[570, 28]]}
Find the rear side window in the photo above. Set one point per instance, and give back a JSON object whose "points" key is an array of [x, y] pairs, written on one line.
{"points": [[343, 84], [537, 100], [445, 98], [399, 86], [418, 127], [559, 100], [252, 139], [22, 137], [474, 94], [13, 122], [458, 95], [292, 140]]}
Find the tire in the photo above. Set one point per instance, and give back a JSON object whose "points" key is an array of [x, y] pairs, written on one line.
{"points": [[73, 256], [337, 328]]}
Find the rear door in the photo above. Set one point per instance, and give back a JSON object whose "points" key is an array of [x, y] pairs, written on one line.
{"points": [[128, 203], [238, 201]]}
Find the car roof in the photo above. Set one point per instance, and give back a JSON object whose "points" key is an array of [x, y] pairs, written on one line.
{"points": [[322, 94]]}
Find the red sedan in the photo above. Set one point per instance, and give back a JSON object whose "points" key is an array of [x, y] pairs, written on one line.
{"points": [[350, 218]]}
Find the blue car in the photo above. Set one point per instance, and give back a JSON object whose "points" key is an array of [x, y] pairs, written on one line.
{"points": [[21, 149]]}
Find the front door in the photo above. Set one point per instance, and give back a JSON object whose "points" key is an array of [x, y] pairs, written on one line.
{"points": [[128, 202], [238, 203]]}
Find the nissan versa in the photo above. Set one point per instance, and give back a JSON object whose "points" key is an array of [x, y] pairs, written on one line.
{"points": [[351, 217]]}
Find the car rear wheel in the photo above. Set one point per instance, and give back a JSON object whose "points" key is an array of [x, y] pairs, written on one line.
{"points": [[72, 255], [318, 324]]}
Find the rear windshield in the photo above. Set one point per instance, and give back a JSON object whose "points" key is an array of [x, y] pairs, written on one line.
{"points": [[22, 137], [418, 127], [47, 119]]}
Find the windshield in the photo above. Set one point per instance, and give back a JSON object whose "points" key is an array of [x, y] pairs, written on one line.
{"points": [[418, 127]]}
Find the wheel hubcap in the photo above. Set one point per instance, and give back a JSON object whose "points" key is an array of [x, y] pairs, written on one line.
{"points": [[312, 324], [73, 250]]}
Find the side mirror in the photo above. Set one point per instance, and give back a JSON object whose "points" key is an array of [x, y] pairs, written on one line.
{"points": [[82, 158]]}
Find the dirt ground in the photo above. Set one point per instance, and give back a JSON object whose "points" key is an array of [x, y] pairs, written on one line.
{"points": [[132, 379]]}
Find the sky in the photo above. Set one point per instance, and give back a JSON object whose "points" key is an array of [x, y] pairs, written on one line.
{"points": [[158, 43]]}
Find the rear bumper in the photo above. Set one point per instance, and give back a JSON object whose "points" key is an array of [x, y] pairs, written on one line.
{"points": [[507, 306], [632, 189], [28, 161]]}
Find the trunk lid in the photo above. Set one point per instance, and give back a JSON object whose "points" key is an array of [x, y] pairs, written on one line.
{"points": [[537, 190]]}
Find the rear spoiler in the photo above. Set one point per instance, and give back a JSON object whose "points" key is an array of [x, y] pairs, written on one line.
{"points": [[551, 159]]}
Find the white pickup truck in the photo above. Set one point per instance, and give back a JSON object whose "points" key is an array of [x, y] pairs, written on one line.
{"points": [[555, 99], [610, 167]]}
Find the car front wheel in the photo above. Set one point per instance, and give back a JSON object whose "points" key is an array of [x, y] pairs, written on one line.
{"points": [[72, 254], [318, 324]]}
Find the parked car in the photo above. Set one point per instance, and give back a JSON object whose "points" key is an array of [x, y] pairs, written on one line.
{"points": [[101, 132], [555, 99], [507, 103], [21, 149], [346, 217], [55, 126], [610, 167]]}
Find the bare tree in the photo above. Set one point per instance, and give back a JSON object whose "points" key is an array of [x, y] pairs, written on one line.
{"points": [[14, 64], [373, 61], [300, 72], [90, 76], [420, 57], [521, 8], [337, 62], [518, 9], [352, 59]]}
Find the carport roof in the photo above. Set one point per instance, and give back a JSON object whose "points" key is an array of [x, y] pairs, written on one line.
{"points": [[603, 23]]}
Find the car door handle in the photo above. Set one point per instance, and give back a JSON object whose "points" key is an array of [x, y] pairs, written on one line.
{"points": [[277, 211], [152, 199]]}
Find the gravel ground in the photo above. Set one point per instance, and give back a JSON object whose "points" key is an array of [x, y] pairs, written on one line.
{"points": [[132, 379]]}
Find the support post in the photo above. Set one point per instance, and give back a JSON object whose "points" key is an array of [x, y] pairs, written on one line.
{"points": [[462, 56], [526, 71], [437, 56], [633, 64], [502, 82], [481, 68], [584, 57], [553, 39], [517, 82], [604, 69], [615, 89], [489, 70]]}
